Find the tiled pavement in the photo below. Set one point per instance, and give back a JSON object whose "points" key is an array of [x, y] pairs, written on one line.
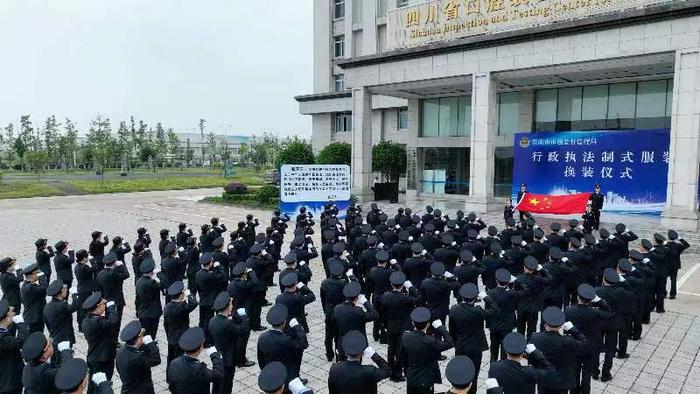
{"points": [[664, 360]]}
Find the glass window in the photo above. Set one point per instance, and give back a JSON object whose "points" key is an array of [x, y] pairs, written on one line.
{"points": [[343, 122], [430, 118], [568, 107], [339, 45], [381, 8], [594, 110], [669, 104], [339, 82], [403, 119], [621, 105], [401, 3], [508, 113], [449, 116], [546, 109], [356, 11], [503, 172], [445, 170], [651, 105], [339, 9], [464, 126]]}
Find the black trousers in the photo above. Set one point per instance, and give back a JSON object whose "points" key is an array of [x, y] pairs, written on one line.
{"points": [[36, 327], [596, 218], [174, 352], [526, 323], [192, 283], [150, 326], [99, 366], [660, 293], [331, 336], [377, 329], [81, 312], [673, 274], [476, 359], [420, 389], [241, 347], [255, 309], [636, 323], [205, 314], [610, 339], [497, 352], [584, 370], [224, 385], [393, 354], [623, 336]]}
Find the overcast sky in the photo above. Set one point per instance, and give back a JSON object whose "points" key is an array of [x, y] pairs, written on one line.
{"points": [[235, 63]]}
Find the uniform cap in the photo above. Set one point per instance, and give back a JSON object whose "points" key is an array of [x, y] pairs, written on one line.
{"points": [[255, 249], [538, 233], [611, 276], [191, 339], [354, 343], [60, 245], [472, 234], [329, 235], [92, 300], [428, 208], [5, 263], [54, 288], [372, 240], [553, 316], [332, 222], [415, 219], [290, 258], [206, 258], [164, 232], [81, 254], [34, 346], [117, 240], [277, 314], [131, 331], [416, 247], [636, 255], [672, 235], [624, 265], [336, 267], [181, 226], [493, 231], [555, 253], [109, 259], [590, 239], [556, 226], [620, 227], [586, 291], [503, 275], [383, 217], [420, 315], [514, 343], [496, 248], [460, 371], [170, 248], [365, 229], [397, 278], [382, 255], [446, 239], [437, 268], [338, 248], [531, 262], [575, 242], [30, 268], [510, 222], [452, 224], [437, 212], [471, 217], [70, 375], [147, 265], [272, 377], [659, 238], [352, 290], [573, 223], [516, 240], [218, 242], [429, 227], [40, 242], [176, 288], [95, 234], [222, 301], [466, 255], [469, 291], [403, 235], [290, 279], [238, 269], [604, 233], [646, 244]]}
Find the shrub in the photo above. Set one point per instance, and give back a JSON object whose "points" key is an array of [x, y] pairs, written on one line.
{"points": [[389, 159], [236, 188], [296, 152], [267, 194], [335, 153]]}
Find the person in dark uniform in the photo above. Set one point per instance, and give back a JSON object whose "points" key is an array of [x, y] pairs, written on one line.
{"points": [[508, 210], [172, 266], [71, 378], [331, 294], [435, 291], [521, 195], [642, 297], [85, 276], [97, 249], [10, 349], [466, 325], [515, 378], [282, 342], [560, 350], [110, 282], [143, 236], [273, 380], [350, 376], [210, 281], [164, 241], [220, 256], [140, 254], [596, 200], [301, 269], [101, 327], [588, 219], [397, 305], [377, 283], [260, 264], [148, 305], [353, 314], [120, 248], [224, 332], [63, 263], [44, 253], [420, 352], [657, 254], [58, 314], [136, 358], [676, 246], [188, 375], [37, 351], [460, 373], [616, 297], [588, 315], [417, 267], [183, 234], [534, 279], [33, 294], [176, 317], [241, 290], [10, 278], [295, 297]]}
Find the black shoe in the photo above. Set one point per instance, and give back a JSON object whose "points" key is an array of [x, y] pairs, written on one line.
{"points": [[443, 357], [672, 297], [606, 377], [595, 376], [305, 381], [259, 328], [660, 310], [622, 356], [246, 364], [266, 303], [397, 379], [634, 338]]}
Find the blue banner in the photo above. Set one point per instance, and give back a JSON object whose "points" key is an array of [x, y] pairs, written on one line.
{"points": [[631, 166]]}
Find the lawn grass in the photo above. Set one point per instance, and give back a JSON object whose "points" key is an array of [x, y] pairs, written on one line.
{"points": [[27, 189], [94, 186]]}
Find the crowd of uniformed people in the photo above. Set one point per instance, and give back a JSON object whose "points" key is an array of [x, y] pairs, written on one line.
{"points": [[553, 299]]}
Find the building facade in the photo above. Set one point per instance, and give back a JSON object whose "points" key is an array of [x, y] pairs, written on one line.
{"points": [[200, 149], [453, 80]]}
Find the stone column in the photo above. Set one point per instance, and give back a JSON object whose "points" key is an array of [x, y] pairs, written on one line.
{"points": [[361, 163], [681, 210], [413, 165], [483, 133], [527, 110]]}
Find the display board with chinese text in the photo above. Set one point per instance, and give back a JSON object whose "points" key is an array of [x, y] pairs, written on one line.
{"points": [[313, 186]]}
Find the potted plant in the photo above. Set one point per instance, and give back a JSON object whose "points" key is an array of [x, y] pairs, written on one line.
{"points": [[388, 159]]}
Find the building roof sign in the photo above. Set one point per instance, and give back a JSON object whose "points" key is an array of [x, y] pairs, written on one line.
{"points": [[444, 20]]}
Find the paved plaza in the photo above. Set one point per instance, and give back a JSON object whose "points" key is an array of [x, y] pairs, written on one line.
{"points": [[664, 360]]}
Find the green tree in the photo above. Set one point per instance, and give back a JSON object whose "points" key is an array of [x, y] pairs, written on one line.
{"points": [[147, 151], [243, 152], [9, 141], [37, 160], [68, 144], [173, 142], [389, 159], [51, 138], [101, 143], [296, 151], [124, 143], [335, 153], [202, 123], [27, 135], [161, 142], [20, 148]]}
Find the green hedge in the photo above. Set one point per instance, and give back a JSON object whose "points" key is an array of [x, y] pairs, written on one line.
{"points": [[263, 197]]}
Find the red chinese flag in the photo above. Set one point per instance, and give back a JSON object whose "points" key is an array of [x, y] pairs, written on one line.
{"points": [[544, 203]]}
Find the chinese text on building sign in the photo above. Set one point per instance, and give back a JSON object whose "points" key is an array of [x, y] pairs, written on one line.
{"points": [[449, 19], [631, 166], [315, 183]]}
